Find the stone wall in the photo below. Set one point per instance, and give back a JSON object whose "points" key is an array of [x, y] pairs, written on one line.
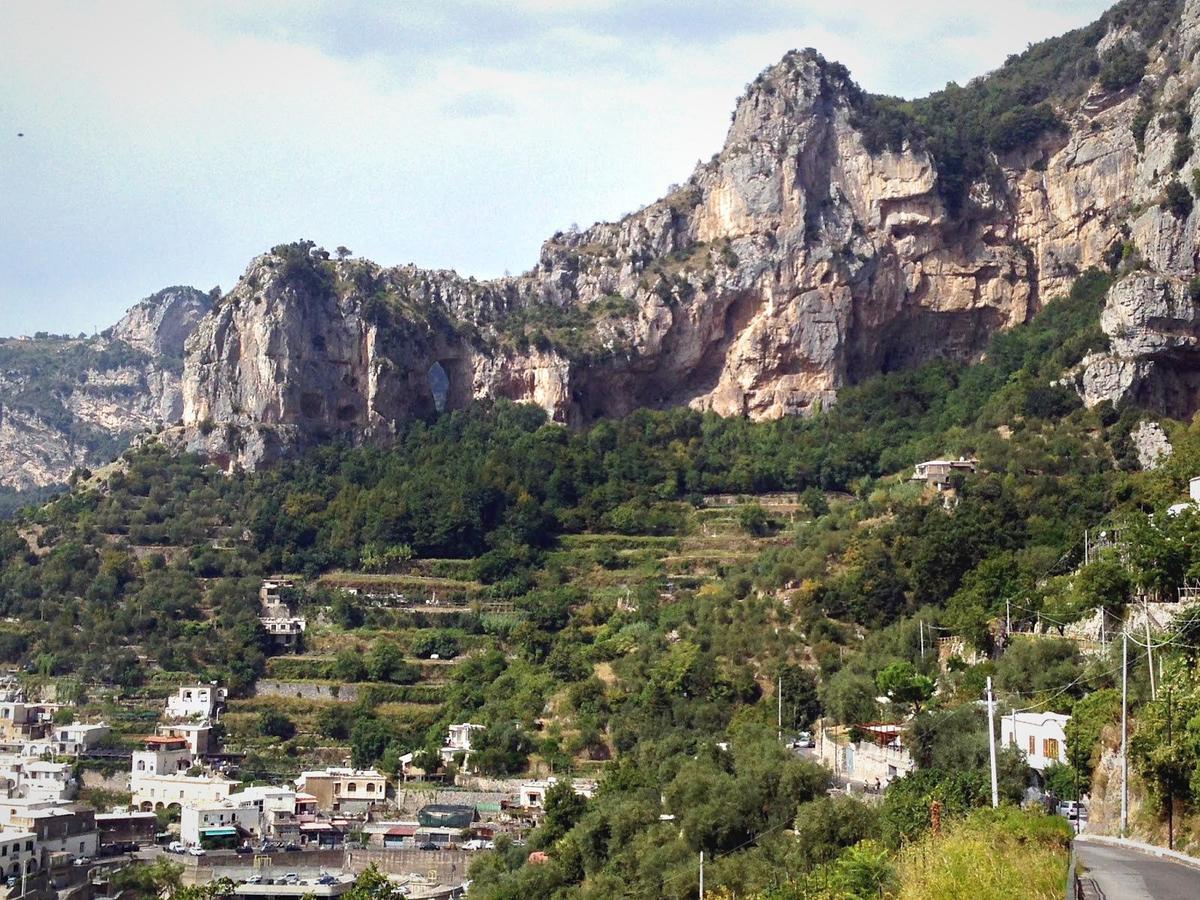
{"points": [[306, 690]]}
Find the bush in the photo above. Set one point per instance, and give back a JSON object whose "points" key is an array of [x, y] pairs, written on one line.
{"points": [[754, 520], [1177, 200], [1122, 66], [442, 643], [273, 723], [1181, 153]]}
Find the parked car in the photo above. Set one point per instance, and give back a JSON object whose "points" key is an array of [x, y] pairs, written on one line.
{"points": [[1072, 809], [326, 879], [82, 861], [428, 845], [256, 878], [291, 878], [176, 847], [269, 847], [196, 851], [242, 849], [478, 844], [291, 848]]}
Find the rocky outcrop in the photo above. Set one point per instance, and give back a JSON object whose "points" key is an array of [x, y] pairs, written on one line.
{"points": [[1151, 444], [798, 260], [69, 402]]}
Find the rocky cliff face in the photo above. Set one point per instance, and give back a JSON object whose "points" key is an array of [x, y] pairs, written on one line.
{"points": [[68, 402], [799, 259]]}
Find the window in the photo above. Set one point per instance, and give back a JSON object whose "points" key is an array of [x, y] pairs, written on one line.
{"points": [[1050, 748], [1032, 746], [352, 788], [370, 787], [141, 766]]}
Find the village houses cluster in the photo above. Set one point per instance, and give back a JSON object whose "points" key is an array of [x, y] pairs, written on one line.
{"points": [[179, 774]]}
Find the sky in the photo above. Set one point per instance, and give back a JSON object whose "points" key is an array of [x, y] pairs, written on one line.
{"points": [[169, 142]]}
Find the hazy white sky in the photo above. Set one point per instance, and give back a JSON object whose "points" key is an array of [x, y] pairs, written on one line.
{"points": [[168, 142]]}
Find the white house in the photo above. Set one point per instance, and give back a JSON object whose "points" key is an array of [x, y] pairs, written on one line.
{"points": [[195, 701], [533, 793], [19, 854], [72, 740], [257, 811], [881, 757], [1041, 735], [162, 755], [198, 736], [161, 791], [200, 820], [458, 740], [47, 780]]}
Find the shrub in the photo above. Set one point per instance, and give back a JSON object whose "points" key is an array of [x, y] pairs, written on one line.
{"points": [[1182, 152], [273, 723], [1177, 200], [1122, 66], [1141, 121]]}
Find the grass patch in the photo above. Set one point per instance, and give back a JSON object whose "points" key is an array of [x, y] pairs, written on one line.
{"points": [[990, 854]]}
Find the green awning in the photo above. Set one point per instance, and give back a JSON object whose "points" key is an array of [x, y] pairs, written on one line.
{"points": [[219, 832]]}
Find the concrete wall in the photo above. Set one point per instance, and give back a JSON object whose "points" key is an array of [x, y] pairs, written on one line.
{"points": [[446, 866], [305, 690], [410, 800]]}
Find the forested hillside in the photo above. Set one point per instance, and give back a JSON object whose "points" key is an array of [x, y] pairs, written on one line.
{"points": [[622, 601]]}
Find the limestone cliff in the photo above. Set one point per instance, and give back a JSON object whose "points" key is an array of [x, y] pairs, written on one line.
{"points": [[68, 402], [804, 256]]}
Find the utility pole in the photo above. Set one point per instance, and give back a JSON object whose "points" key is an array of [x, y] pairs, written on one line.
{"points": [[779, 704], [1170, 782], [1008, 617], [992, 741], [1149, 655], [701, 875], [1124, 733], [921, 629]]}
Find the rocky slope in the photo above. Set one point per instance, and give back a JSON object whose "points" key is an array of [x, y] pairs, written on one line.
{"points": [[68, 402], [806, 255]]}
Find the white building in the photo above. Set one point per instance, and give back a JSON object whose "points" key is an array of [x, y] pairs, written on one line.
{"points": [[257, 811], [938, 472], [13, 809], [72, 740], [195, 701], [198, 736], [882, 757], [1041, 736], [162, 791], [458, 740], [163, 755], [284, 631], [533, 793], [19, 854], [47, 780], [198, 820]]}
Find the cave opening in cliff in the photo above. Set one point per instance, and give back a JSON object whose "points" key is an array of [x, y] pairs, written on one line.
{"points": [[439, 384]]}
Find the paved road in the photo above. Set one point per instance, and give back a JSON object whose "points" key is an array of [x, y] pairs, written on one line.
{"points": [[1116, 873]]}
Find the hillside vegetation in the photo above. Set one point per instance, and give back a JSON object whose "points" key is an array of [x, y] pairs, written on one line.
{"points": [[621, 601]]}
